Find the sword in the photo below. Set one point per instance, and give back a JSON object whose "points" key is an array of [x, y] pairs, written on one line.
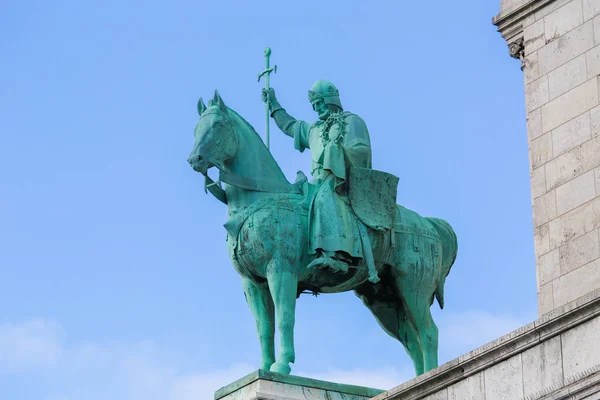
{"points": [[267, 73]]}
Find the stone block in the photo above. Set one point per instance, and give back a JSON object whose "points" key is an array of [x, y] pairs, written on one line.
{"points": [[507, 6], [575, 192], [597, 177], [546, 299], [592, 61], [563, 168], [504, 380], [595, 120], [590, 153], [573, 163], [534, 124], [541, 238], [471, 388], [544, 208], [591, 8], [578, 222], [575, 284], [531, 70], [541, 150], [550, 8], [537, 93], [528, 20], [565, 48], [542, 366], [534, 37], [596, 24], [537, 277], [441, 395], [571, 134], [549, 267], [569, 105], [567, 76], [563, 20], [538, 182], [580, 348], [579, 251]]}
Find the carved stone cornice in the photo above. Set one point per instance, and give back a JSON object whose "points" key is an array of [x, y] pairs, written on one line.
{"points": [[516, 49], [510, 25]]}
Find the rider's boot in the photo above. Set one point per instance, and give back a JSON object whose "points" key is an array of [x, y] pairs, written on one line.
{"points": [[336, 261]]}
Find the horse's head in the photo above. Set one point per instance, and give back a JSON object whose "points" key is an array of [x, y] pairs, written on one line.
{"points": [[215, 139]]}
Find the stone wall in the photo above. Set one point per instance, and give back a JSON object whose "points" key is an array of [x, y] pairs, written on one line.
{"points": [[558, 43], [555, 357], [562, 64]]}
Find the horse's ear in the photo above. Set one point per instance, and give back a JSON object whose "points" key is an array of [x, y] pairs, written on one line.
{"points": [[201, 106], [219, 101]]}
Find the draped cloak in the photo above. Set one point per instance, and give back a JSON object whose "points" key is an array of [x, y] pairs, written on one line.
{"points": [[335, 147]]}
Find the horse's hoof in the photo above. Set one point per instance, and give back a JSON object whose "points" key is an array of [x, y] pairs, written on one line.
{"points": [[281, 368]]}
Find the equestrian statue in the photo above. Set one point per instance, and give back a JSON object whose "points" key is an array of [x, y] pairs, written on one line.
{"points": [[341, 231]]}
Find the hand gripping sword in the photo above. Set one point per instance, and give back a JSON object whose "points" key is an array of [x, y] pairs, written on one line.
{"points": [[267, 73]]}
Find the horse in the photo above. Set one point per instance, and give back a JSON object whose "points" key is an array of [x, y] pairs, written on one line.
{"points": [[267, 236]]}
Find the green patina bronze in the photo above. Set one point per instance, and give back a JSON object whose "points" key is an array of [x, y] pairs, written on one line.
{"points": [[342, 231]]}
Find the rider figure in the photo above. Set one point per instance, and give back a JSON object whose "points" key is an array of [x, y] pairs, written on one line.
{"points": [[338, 140]]}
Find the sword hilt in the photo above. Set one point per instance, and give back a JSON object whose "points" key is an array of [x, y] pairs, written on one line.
{"points": [[267, 71]]}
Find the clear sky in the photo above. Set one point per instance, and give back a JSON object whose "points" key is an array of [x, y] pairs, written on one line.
{"points": [[114, 277]]}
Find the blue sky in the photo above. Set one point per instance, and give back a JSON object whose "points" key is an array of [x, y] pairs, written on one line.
{"points": [[114, 277]]}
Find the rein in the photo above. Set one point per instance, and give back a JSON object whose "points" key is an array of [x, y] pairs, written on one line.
{"points": [[258, 185]]}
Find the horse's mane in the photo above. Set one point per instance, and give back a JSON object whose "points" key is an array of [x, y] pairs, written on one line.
{"points": [[240, 120], [246, 124]]}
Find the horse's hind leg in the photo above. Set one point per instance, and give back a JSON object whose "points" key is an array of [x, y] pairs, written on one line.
{"points": [[394, 321], [418, 308], [283, 285], [260, 302]]}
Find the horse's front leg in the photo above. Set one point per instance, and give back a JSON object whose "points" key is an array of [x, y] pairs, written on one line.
{"points": [[283, 285], [260, 302]]}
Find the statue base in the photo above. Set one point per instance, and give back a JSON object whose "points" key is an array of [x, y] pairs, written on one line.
{"points": [[265, 385]]}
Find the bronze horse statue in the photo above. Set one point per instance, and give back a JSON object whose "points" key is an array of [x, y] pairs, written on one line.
{"points": [[267, 241]]}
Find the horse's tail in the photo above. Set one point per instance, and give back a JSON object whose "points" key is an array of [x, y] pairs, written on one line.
{"points": [[449, 251]]}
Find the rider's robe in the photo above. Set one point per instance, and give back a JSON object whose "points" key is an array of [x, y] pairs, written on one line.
{"points": [[336, 145]]}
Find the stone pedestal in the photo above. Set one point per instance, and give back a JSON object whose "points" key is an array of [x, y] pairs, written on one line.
{"points": [[264, 385]]}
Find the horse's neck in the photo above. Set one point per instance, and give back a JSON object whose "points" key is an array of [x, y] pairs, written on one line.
{"points": [[253, 161]]}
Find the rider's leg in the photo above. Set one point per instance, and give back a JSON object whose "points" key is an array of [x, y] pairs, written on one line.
{"points": [[368, 253]]}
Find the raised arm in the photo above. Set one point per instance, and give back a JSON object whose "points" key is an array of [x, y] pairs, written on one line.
{"points": [[285, 122]]}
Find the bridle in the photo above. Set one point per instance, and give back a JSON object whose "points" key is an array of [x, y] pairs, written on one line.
{"points": [[242, 182]]}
